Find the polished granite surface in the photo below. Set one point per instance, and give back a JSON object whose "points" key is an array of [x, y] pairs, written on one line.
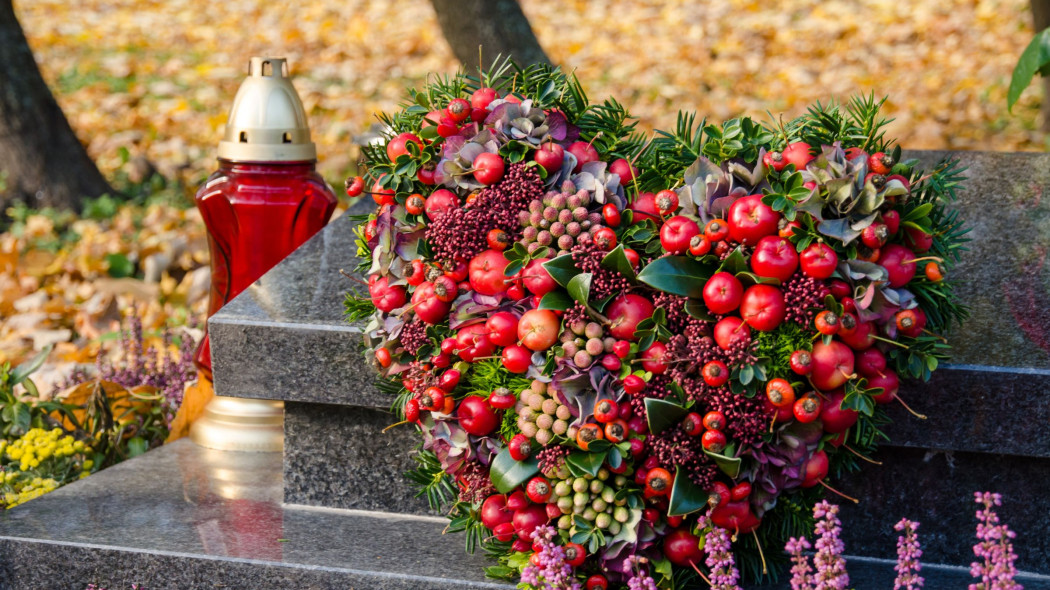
{"points": [[185, 502], [183, 517]]}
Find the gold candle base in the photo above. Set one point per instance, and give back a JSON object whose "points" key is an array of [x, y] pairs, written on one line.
{"points": [[240, 424]]}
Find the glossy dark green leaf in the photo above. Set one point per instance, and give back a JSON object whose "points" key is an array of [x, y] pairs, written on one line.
{"points": [[579, 287], [729, 465], [735, 262], [617, 260], [748, 278], [662, 413], [686, 496], [581, 463], [561, 269], [678, 275], [697, 309], [507, 474], [557, 300]]}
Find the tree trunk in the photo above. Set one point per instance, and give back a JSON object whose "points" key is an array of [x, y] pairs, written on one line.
{"points": [[41, 160], [1041, 20], [498, 26]]}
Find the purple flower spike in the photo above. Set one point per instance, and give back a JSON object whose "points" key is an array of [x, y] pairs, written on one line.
{"points": [[908, 554]]}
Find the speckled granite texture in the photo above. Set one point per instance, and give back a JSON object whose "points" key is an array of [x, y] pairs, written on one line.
{"points": [[186, 517], [338, 456]]}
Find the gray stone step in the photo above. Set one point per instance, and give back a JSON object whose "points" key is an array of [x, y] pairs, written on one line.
{"points": [[186, 518]]}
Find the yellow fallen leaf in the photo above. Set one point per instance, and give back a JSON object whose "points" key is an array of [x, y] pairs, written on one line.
{"points": [[194, 399]]}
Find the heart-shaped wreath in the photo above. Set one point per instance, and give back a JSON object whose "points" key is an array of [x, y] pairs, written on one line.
{"points": [[611, 345]]}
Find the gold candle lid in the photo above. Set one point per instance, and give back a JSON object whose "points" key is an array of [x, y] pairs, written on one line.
{"points": [[267, 122]]}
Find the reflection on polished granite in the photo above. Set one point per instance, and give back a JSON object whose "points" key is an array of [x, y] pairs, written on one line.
{"points": [[182, 514]]}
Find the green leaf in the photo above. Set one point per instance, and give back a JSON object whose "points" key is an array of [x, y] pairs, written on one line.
{"points": [[735, 262], [729, 465], [698, 309], [617, 260], [29, 367], [561, 269], [581, 463], [137, 446], [21, 417], [662, 413], [580, 287], [1035, 58], [557, 300], [513, 267], [507, 474], [919, 212], [118, 266], [749, 278], [686, 496], [747, 373], [678, 275]]}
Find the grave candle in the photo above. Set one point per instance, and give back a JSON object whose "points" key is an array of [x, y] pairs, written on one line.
{"points": [[266, 198]]}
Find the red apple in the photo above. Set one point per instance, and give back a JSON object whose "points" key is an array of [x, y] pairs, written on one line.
{"points": [[476, 416], [398, 145], [819, 260], [722, 293], [488, 168], [538, 329], [797, 153], [833, 417], [494, 511], [625, 312], [676, 233], [815, 469], [899, 264], [536, 278], [762, 306], [682, 548], [832, 365], [440, 202], [730, 330], [774, 257], [486, 272], [644, 207], [584, 152], [625, 170], [550, 156], [889, 382], [750, 220]]}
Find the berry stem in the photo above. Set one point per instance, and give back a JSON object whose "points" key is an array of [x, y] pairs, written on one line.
{"points": [[701, 574], [914, 260], [761, 554], [868, 459], [907, 407], [396, 424], [888, 341], [831, 489], [352, 278]]}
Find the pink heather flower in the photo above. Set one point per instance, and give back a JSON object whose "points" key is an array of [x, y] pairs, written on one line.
{"points": [[831, 567], [994, 547], [639, 579], [908, 554], [801, 572], [552, 573], [723, 573]]}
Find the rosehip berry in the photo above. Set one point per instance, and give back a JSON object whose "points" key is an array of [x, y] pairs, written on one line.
{"points": [[412, 410], [520, 447], [892, 219], [587, 434], [807, 408], [414, 204], [666, 202], [616, 431], [458, 110], [714, 441], [605, 238], [714, 420], [383, 357], [715, 373], [355, 186], [497, 239], [827, 322], [611, 215], [632, 257], [502, 399], [880, 163], [780, 393], [538, 489], [658, 481], [774, 160], [612, 363], [445, 289], [597, 582], [433, 399], [693, 424], [740, 491], [875, 235], [417, 273], [575, 554], [449, 380], [716, 230], [605, 410], [699, 245], [801, 362], [934, 272]]}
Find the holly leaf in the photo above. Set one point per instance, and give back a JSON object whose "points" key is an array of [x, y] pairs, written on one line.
{"points": [[557, 300], [507, 474], [580, 287], [661, 414], [686, 496], [678, 275], [617, 260], [561, 269]]}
